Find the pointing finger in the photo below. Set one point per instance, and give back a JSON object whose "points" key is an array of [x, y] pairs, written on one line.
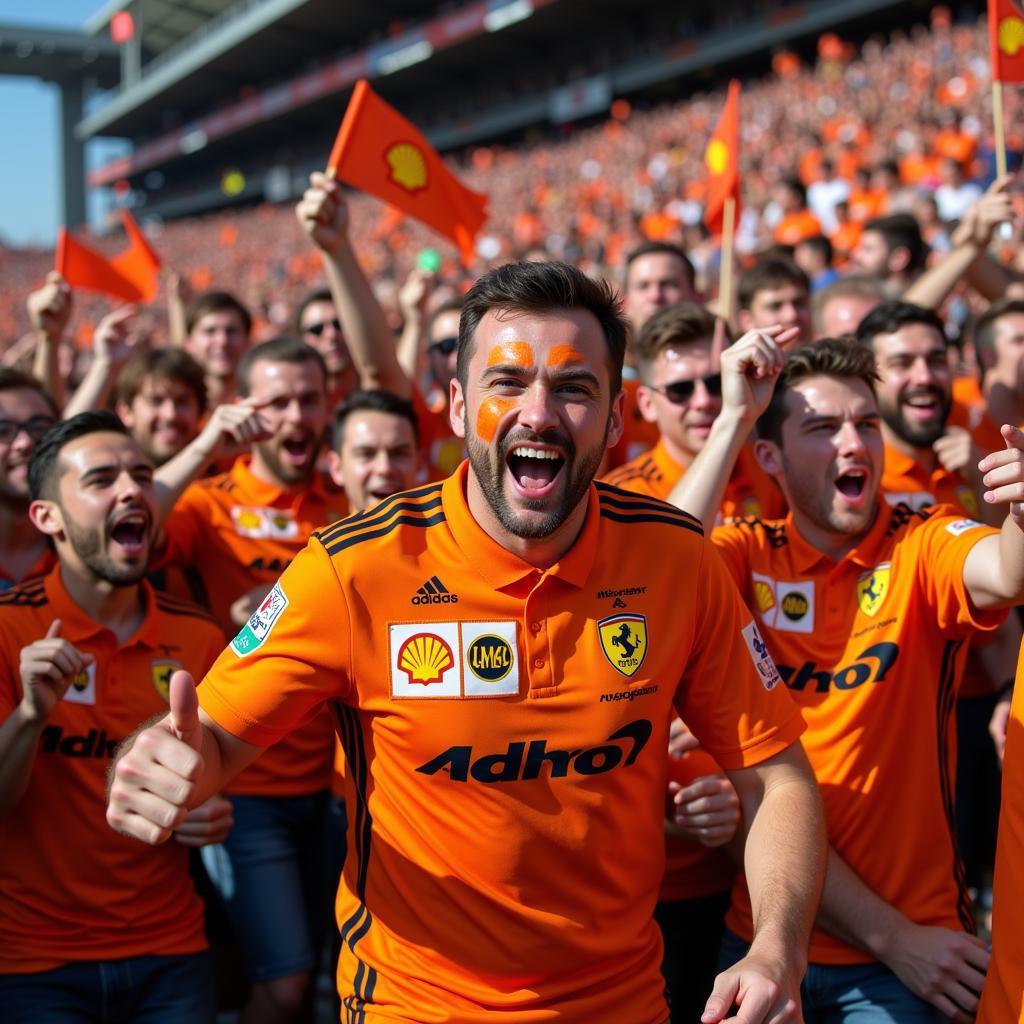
{"points": [[54, 630]]}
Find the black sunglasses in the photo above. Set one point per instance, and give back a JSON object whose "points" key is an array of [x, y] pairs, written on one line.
{"points": [[446, 346], [317, 329], [681, 391], [36, 428]]}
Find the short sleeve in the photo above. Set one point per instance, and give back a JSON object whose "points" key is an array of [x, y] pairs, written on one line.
{"points": [[731, 544], [731, 695], [289, 658], [945, 541]]}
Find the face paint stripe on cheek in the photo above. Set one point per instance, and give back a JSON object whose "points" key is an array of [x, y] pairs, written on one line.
{"points": [[489, 416], [511, 353], [561, 354]]}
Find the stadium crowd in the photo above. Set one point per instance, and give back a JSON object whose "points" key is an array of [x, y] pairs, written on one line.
{"points": [[533, 722]]}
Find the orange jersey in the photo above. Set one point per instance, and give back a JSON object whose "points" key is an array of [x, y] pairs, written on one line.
{"points": [[872, 650], [797, 226], [1002, 1001], [71, 888], [505, 744], [237, 532], [750, 491], [45, 564], [905, 481]]}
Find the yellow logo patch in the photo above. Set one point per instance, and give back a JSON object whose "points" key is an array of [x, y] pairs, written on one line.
{"points": [[872, 588], [425, 658], [763, 596], [624, 641], [161, 672]]}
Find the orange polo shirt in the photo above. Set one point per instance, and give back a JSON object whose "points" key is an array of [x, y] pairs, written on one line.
{"points": [[797, 226], [237, 532], [1002, 1001], [44, 564], [505, 744], [905, 481], [71, 888], [872, 649], [750, 491]]}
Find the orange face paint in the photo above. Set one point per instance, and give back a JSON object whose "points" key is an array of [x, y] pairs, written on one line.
{"points": [[561, 354], [489, 415], [511, 353]]}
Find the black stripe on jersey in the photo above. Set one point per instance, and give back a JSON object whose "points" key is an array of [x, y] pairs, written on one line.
{"points": [[646, 470], [775, 533], [358, 923], [380, 514], [172, 606], [902, 514], [391, 499], [651, 518], [26, 595], [945, 706], [410, 520], [629, 501]]}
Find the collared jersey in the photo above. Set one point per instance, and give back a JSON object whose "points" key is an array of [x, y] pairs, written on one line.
{"points": [[71, 888], [872, 649], [238, 532], [749, 492], [43, 565], [905, 481], [505, 743], [1002, 1001]]}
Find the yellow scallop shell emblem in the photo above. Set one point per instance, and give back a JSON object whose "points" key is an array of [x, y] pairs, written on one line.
{"points": [[717, 156], [763, 596], [425, 658], [249, 520], [1011, 36], [408, 168]]}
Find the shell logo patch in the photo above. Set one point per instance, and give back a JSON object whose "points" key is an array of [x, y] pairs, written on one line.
{"points": [[263, 523], [425, 658], [717, 156], [624, 642], [161, 673], [872, 588], [1010, 36], [787, 605], [764, 595], [407, 165]]}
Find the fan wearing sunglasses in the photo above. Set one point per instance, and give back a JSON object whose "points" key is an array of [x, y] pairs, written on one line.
{"points": [[681, 393], [320, 328]]}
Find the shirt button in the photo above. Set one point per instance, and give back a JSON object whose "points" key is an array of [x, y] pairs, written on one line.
{"points": [[538, 662]]}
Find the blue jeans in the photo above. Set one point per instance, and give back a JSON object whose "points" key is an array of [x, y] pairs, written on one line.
{"points": [[274, 875], [137, 990], [848, 993]]}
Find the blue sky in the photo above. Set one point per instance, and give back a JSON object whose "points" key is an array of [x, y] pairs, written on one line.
{"points": [[29, 172]]}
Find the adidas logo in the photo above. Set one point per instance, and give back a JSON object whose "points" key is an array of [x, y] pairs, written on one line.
{"points": [[434, 592]]}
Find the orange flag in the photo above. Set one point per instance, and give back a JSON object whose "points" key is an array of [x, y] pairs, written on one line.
{"points": [[130, 277], [1006, 39], [379, 151], [722, 158]]}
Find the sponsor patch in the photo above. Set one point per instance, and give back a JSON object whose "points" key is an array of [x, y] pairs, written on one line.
{"points": [[624, 641], [961, 526], [83, 687], [787, 605], [251, 636], [162, 671], [967, 499], [760, 657], [917, 500], [490, 659], [423, 659], [264, 523], [872, 588]]}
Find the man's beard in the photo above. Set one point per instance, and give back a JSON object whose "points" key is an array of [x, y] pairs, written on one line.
{"points": [[88, 546], [285, 472], [489, 462], [917, 435]]}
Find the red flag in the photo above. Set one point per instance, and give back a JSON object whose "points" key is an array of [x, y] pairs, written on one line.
{"points": [[130, 277], [379, 151], [722, 158], [1006, 39]]}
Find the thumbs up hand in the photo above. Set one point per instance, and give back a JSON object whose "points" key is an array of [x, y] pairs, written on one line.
{"points": [[155, 780], [1004, 473], [47, 668]]}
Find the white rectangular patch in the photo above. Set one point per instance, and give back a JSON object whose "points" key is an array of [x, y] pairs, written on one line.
{"points": [[794, 612], [917, 500], [961, 526], [424, 659], [83, 687], [760, 657], [251, 636], [490, 659]]}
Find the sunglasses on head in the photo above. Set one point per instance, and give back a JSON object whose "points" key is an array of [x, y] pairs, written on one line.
{"points": [[446, 346], [681, 391], [317, 329]]}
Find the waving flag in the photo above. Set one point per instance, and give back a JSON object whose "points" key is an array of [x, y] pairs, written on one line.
{"points": [[379, 151], [1006, 39], [722, 158]]}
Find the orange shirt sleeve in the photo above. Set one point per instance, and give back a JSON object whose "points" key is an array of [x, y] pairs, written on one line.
{"points": [[731, 544], [292, 656], [183, 529], [946, 539], [731, 694]]}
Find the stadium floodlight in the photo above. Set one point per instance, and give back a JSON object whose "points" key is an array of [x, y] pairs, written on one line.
{"points": [[507, 14], [193, 141], [405, 57]]}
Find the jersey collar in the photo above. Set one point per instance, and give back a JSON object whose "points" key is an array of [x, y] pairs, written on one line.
{"points": [[866, 552], [499, 566], [255, 491]]}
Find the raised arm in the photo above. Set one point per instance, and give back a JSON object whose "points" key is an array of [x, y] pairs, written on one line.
{"points": [[111, 347], [49, 310], [323, 216], [413, 300]]}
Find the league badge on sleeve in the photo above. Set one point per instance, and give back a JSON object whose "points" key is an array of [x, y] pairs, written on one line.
{"points": [[759, 655], [251, 636]]}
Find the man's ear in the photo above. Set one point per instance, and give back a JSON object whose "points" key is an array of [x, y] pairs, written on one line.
{"points": [[334, 468], [616, 423], [645, 403], [46, 517], [456, 408], [898, 259], [769, 456]]}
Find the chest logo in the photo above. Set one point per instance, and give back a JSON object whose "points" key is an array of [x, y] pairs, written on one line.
{"points": [[83, 687], [425, 658], [872, 588], [787, 605], [624, 642], [162, 671], [264, 523]]}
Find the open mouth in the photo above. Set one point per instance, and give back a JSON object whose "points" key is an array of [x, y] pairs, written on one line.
{"points": [[922, 405], [131, 533], [297, 449], [852, 484], [535, 469]]}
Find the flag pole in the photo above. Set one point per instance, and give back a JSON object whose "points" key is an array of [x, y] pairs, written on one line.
{"points": [[725, 276], [1000, 127]]}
